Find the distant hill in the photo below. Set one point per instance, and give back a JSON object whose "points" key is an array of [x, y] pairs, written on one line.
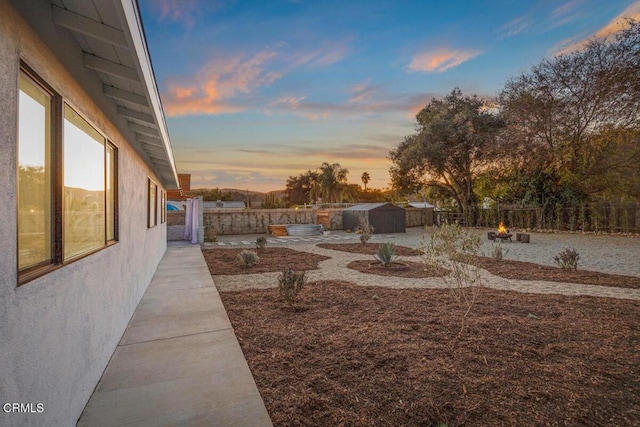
{"points": [[256, 197]]}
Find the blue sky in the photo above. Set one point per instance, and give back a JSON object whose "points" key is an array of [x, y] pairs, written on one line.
{"points": [[256, 91]]}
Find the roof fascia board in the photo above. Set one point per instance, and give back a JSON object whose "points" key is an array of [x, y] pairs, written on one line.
{"points": [[135, 31]]}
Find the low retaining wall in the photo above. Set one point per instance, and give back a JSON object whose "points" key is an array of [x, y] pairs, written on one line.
{"points": [[255, 221]]}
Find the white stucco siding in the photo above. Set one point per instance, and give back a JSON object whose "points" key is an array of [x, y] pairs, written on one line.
{"points": [[58, 331]]}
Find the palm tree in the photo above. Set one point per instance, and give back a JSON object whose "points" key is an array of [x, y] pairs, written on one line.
{"points": [[365, 179], [332, 180]]}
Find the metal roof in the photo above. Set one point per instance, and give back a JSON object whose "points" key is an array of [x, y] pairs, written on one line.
{"points": [[111, 47], [421, 205], [368, 206]]}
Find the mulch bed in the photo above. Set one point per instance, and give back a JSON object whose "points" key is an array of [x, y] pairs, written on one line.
{"points": [[399, 269], [368, 249], [522, 270], [225, 261], [363, 356]]}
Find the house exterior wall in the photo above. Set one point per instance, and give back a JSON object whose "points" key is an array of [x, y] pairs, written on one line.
{"points": [[59, 330]]}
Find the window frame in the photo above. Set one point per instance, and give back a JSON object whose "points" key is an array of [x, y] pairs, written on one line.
{"points": [[163, 206], [152, 211], [53, 263], [57, 183]]}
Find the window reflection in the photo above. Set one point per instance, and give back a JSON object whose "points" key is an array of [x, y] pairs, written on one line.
{"points": [[34, 175], [84, 186], [111, 193], [152, 211]]}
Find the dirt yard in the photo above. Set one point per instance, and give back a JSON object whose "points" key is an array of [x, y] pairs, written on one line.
{"points": [[356, 355]]}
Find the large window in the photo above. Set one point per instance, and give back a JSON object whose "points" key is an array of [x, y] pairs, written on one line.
{"points": [[67, 182], [35, 219]]}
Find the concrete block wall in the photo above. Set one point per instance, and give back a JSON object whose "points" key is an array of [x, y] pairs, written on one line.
{"points": [[255, 221]]}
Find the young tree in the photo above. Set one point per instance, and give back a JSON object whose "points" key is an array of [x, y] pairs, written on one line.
{"points": [[453, 143]]}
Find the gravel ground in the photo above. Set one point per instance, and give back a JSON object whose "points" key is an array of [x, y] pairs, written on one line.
{"points": [[607, 254]]}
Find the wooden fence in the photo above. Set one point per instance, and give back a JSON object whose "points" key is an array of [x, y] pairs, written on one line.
{"points": [[604, 217]]}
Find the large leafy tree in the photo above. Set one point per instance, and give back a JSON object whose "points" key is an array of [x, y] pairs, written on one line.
{"points": [[573, 123], [298, 189], [454, 142], [332, 183]]}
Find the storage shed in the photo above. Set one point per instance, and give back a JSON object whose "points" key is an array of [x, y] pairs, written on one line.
{"points": [[384, 217]]}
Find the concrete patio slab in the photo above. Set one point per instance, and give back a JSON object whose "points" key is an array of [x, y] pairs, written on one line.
{"points": [[179, 362]]}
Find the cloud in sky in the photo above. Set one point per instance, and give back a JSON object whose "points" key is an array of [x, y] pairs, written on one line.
{"points": [[514, 27], [614, 26], [213, 88], [440, 60], [185, 12], [329, 54]]}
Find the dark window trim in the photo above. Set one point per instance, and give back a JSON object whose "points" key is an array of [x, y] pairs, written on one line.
{"points": [[57, 185], [55, 262], [155, 204], [116, 235], [163, 206]]}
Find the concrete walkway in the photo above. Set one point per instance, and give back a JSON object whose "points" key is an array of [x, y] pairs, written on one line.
{"points": [[179, 362]]}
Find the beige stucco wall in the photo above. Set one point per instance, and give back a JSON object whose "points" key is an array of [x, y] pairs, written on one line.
{"points": [[58, 332]]}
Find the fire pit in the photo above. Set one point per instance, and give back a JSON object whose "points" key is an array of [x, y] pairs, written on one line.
{"points": [[502, 234]]}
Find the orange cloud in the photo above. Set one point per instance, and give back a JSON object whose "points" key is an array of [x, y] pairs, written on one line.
{"points": [[212, 89], [441, 60], [614, 26]]}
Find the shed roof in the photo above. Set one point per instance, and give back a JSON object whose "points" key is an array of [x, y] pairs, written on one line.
{"points": [[421, 205], [369, 206]]}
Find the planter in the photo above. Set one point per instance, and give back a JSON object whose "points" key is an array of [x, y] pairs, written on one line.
{"points": [[304, 229]]}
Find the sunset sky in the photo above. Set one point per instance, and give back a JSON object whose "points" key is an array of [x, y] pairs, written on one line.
{"points": [[256, 91]]}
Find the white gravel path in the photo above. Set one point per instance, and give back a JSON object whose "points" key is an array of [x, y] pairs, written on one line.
{"points": [[607, 254]]}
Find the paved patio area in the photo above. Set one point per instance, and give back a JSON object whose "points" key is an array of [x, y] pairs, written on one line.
{"points": [[179, 362]]}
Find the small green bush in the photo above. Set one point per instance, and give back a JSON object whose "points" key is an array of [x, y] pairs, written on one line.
{"points": [[290, 283], [248, 258], [261, 242], [366, 230], [386, 254], [567, 259]]}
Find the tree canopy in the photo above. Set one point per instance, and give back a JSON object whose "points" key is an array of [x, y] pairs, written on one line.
{"points": [[573, 123], [453, 143]]}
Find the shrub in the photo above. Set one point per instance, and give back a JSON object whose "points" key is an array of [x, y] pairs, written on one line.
{"points": [[386, 254], [498, 253], [210, 234], [366, 230], [261, 242], [456, 249], [248, 258], [290, 283], [567, 259]]}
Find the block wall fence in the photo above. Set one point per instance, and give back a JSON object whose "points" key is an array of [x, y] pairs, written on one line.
{"points": [[219, 222]]}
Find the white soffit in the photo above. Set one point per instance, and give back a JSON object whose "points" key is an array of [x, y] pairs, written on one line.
{"points": [[111, 36]]}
